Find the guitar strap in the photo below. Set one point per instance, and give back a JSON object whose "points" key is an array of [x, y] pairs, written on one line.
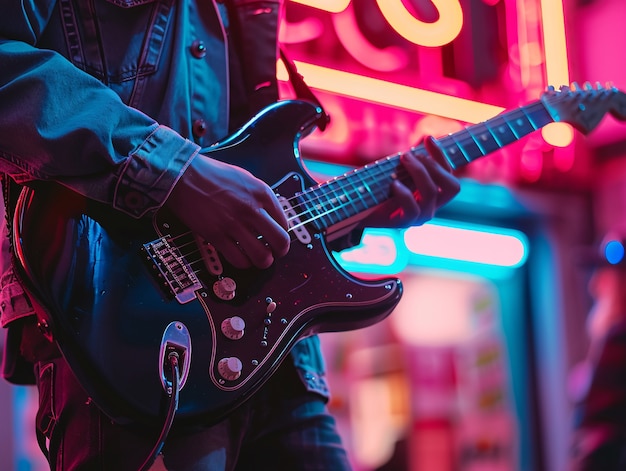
{"points": [[302, 89], [255, 25]]}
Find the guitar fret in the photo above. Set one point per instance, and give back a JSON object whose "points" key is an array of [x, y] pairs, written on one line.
{"points": [[368, 186], [316, 209], [383, 174], [311, 215], [507, 120], [327, 208], [484, 138], [465, 148], [537, 115], [522, 123], [501, 131], [325, 201], [348, 195], [362, 175], [473, 145], [340, 199], [449, 151], [362, 192]]}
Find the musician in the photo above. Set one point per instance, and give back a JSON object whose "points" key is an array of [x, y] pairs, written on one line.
{"points": [[114, 100], [599, 434]]}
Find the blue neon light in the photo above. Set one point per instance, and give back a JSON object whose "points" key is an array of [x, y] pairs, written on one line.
{"points": [[614, 252]]}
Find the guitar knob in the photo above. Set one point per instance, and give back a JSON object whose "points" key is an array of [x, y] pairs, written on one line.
{"points": [[224, 288], [230, 368], [233, 327]]}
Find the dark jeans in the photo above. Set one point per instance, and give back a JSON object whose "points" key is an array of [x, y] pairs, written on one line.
{"points": [[282, 427]]}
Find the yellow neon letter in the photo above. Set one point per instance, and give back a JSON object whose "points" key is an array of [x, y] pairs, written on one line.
{"points": [[436, 34], [332, 6]]}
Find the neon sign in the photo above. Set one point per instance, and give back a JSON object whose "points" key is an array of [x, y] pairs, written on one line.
{"points": [[432, 34], [535, 39], [332, 6], [435, 33]]}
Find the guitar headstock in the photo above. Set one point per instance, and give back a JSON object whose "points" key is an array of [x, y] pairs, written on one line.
{"points": [[584, 107]]}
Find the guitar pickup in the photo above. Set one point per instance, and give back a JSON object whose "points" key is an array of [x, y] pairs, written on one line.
{"points": [[295, 224], [175, 274]]}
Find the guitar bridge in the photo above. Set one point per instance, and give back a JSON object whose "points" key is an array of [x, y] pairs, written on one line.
{"points": [[172, 268]]}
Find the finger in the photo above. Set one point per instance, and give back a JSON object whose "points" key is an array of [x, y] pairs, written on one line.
{"points": [[449, 185], [446, 184], [234, 254], [448, 189], [256, 252], [275, 210], [403, 209], [274, 236], [421, 168], [427, 176], [433, 149]]}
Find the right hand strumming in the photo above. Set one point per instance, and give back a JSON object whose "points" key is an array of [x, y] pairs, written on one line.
{"points": [[232, 210]]}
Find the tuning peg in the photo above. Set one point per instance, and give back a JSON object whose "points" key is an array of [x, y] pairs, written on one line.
{"points": [[588, 86], [551, 88], [576, 87], [602, 89]]}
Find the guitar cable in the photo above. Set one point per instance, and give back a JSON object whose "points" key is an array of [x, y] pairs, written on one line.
{"points": [[172, 407]]}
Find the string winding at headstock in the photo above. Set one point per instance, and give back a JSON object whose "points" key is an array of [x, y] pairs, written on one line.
{"points": [[584, 107]]}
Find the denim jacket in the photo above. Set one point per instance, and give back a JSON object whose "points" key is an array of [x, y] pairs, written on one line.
{"points": [[114, 98]]}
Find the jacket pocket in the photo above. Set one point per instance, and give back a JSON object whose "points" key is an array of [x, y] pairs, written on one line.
{"points": [[119, 42]]}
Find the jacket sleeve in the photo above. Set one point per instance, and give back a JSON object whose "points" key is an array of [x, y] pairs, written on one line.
{"points": [[59, 123]]}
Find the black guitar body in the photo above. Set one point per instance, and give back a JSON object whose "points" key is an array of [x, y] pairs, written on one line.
{"points": [[111, 305], [122, 293]]}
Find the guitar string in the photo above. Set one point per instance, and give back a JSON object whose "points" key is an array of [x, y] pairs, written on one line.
{"points": [[461, 140], [196, 250], [311, 206]]}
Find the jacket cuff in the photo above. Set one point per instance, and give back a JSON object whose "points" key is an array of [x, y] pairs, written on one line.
{"points": [[152, 170]]}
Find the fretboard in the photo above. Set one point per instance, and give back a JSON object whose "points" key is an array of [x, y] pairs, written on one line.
{"points": [[359, 190]]}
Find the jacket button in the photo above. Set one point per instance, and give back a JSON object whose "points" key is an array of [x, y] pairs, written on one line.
{"points": [[199, 128], [198, 49], [134, 200]]}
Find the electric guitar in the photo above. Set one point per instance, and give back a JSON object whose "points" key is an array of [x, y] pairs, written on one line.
{"points": [[121, 293]]}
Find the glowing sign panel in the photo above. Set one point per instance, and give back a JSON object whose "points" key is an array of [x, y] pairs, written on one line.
{"points": [[445, 28], [471, 243], [432, 34]]}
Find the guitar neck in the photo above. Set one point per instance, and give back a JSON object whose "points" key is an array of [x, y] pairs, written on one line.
{"points": [[362, 189], [482, 139]]}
